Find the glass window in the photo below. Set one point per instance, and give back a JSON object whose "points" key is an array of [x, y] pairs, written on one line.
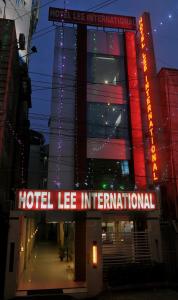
{"points": [[107, 120], [125, 167], [106, 174], [105, 69]]}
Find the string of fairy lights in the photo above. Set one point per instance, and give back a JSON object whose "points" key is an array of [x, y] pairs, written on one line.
{"points": [[61, 65]]}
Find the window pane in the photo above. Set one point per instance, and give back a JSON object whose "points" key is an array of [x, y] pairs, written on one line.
{"points": [[107, 120], [106, 174], [105, 69], [125, 167]]}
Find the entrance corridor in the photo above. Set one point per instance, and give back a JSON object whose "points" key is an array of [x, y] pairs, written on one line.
{"points": [[45, 270]]}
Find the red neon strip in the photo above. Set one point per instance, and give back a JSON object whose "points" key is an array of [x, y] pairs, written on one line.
{"points": [[135, 111], [149, 101]]}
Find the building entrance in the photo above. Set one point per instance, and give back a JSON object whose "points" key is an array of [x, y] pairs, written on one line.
{"points": [[47, 257]]}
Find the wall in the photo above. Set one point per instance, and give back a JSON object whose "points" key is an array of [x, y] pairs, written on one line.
{"points": [[168, 79]]}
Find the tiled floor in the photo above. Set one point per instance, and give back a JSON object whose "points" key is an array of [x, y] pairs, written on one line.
{"points": [[46, 271]]}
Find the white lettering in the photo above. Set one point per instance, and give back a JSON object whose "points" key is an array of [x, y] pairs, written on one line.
{"points": [[30, 200], [87, 200], [73, 200], [152, 205], [37, 195], [134, 201], [147, 204], [22, 200], [119, 201], [67, 200], [60, 205], [44, 200], [100, 200], [106, 201], [140, 201]]}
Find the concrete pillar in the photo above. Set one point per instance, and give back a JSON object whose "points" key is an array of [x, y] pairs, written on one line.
{"points": [[13, 254], [61, 233], [153, 226], [94, 275], [22, 246], [80, 247]]}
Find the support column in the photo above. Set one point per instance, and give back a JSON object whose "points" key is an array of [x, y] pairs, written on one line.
{"points": [[80, 247], [12, 256], [153, 226]]}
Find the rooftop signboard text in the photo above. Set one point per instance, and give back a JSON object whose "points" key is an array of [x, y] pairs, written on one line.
{"points": [[85, 200], [90, 18]]}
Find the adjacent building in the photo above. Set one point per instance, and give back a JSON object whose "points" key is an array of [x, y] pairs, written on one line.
{"points": [[25, 13], [17, 23]]}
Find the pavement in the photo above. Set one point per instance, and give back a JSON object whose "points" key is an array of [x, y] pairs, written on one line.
{"points": [[152, 294], [148, 294]]}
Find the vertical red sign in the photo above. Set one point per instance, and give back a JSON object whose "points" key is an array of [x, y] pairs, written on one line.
{"points": [[135, 111], [150, 91]]}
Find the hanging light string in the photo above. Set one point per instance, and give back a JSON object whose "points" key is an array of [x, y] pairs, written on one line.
{"points": [[61, 64], [77, 184]]}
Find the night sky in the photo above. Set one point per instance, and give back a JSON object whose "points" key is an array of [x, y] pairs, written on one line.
{"points": [[164, 17]]}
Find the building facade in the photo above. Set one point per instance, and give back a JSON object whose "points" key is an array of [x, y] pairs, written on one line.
{"points": [[102, 210], [14, 132], [15, 100], [99, 136]]}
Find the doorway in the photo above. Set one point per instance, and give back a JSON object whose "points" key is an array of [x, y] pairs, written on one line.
{"points": [[48, 257]]}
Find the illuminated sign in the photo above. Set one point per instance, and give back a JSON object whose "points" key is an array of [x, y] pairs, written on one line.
{"points": [[84, 200], [90, 18], [149, 100]]}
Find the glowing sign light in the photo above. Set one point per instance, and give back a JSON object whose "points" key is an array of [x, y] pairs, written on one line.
{"points": [[149, 101], [84, 200]]}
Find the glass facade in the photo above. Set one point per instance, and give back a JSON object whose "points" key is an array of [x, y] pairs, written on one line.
{"points": [[108, 174], [105, 69], [107, 121]]}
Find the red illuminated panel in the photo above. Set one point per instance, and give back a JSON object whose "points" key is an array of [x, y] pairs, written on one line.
{"points": [[104, 149], [84, 200], [148, 87], [135, 112], [106, 93]]}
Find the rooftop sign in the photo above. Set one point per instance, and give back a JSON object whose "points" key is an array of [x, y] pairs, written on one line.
{"points": [[85, 200], [90, 18]]}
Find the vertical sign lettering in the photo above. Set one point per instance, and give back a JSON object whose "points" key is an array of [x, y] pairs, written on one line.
{"points": [[149, 101]]}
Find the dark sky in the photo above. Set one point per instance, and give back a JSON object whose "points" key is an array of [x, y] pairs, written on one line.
{"points": [[164, 17]]}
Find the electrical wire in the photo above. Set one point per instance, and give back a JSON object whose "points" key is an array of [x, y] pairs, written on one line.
{"points": [[101, 5]]}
